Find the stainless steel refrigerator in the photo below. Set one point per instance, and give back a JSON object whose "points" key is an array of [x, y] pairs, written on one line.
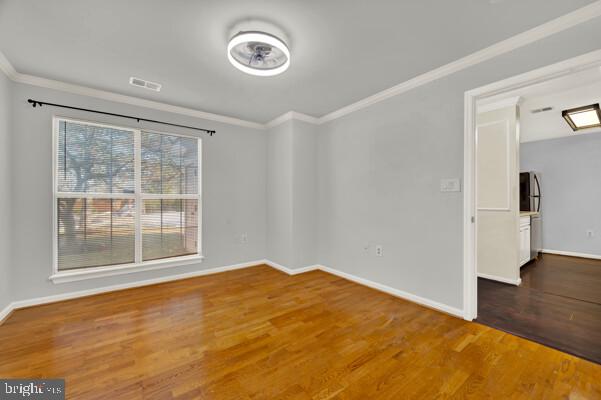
{"points": [[530, 193], [531, 200]]}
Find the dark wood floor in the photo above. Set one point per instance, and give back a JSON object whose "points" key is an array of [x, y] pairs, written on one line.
{"points": [[258, 333], [558, 304]]}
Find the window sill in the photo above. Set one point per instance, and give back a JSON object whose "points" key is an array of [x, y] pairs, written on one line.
{"points": [[98, 272]]}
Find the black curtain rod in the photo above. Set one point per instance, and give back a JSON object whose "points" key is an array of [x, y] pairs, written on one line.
{"points": [[36, 103]]}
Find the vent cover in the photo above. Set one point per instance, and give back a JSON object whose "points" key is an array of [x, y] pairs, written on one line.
{"points": [[145, 84], [540, 110]]}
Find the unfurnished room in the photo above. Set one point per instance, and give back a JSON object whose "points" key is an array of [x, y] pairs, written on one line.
{"points": [[300, 199]]}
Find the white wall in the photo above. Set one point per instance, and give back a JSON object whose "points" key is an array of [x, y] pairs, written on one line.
{"points": [[292, 194], [279, 194], [234, 191], [377, 173], [570, 173], [380, 168], [5, 184], [305, 194]]}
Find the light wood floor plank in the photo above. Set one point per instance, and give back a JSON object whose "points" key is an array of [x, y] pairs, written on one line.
{"points": [[258, 333]]}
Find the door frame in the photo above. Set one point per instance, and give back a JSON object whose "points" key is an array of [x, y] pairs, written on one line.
{"points": [[471, 97]]}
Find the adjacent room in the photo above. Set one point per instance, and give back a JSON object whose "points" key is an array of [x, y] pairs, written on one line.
{"points": [[300, 200], [539, 260]]}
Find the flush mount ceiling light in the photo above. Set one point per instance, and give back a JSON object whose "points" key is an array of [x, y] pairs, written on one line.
{"points": [[258, 53], [583, 117]]}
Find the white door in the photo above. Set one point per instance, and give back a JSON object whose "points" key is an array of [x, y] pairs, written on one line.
{"points": [[498, 194]]}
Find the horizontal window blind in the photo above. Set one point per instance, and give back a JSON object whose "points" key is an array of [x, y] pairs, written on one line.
{"points": [[169, 228], [169, 164], [95, 232], [95, 159], [124, 196]]}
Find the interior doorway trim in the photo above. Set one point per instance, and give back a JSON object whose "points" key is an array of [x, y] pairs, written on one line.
{"points": [[470, 222]]}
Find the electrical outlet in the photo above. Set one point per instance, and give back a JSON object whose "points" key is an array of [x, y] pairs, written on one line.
{"points": [[590, 233], [379, 250], [244, 238]]}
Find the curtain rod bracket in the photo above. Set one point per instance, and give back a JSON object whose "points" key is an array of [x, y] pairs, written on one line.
{"points": [[34, 103]]}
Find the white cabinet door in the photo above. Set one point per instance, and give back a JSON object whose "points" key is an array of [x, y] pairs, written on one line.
{"points": [[524, 244]]}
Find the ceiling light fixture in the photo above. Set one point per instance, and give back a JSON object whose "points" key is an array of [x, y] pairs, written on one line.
{"points": [[583, 117], [258, 53]]}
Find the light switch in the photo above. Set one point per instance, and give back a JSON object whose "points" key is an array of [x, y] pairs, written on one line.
{"points": [[450, 185]]}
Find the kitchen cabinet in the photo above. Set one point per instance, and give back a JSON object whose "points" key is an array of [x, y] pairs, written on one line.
{"points": [[524, 240]]}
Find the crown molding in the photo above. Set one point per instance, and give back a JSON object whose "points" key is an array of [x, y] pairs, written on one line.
{"points": [[290, 115], [18, 77], [549, 28], [7, 67], [135, 101]]}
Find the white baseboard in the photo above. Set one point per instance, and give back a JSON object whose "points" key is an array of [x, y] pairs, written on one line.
{"points": [[516, 282], [572, 254], [290, 271], [396, 292], [374, 285], [90, 292], [5, 312]]}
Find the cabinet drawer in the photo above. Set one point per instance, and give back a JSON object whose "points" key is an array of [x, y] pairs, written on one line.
{"points": [[525, 221], [524, 244]]}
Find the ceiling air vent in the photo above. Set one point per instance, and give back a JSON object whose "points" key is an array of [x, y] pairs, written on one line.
{"points": [[540, 110], [145, 84]]}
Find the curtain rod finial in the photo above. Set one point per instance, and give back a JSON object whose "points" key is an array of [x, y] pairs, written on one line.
{"points": [[34, 103]]}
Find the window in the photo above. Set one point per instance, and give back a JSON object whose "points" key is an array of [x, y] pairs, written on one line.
{"points": [[123, 197]]}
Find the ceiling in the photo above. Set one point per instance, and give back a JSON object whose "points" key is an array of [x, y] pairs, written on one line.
{"points": [[342, 50], [573, 91]]}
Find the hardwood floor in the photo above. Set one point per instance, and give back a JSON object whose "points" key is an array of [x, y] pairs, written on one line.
{"points": [[571, 277], [558, 304], [258, 333]]}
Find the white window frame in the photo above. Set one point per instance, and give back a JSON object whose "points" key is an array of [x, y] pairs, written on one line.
{"points": [[138, 265]]}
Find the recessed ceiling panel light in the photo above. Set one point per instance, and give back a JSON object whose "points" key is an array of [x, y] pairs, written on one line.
{"points": [[583, 117], [258, 53]]}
